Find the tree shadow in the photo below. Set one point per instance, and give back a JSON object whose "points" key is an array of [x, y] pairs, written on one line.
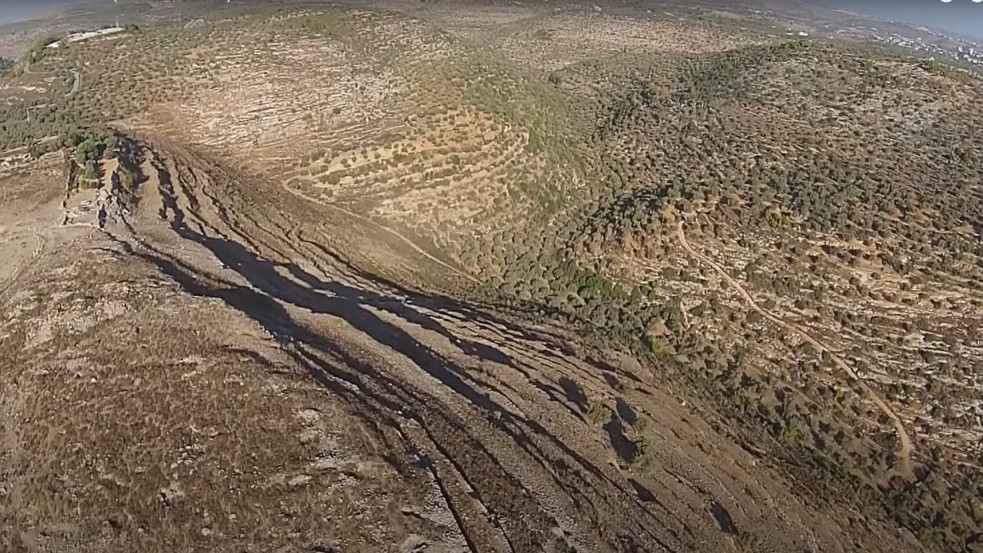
{"points": [[574, 393], [643, 493], [611, 380], [723, 518], [552, 393], [625, 412], [626, 449]]}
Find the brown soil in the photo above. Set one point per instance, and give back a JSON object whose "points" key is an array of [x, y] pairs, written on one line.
{"points": [[410, 279], [212, 373]]}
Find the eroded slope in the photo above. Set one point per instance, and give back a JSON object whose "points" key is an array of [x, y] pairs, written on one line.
{"points": [[206, 372], [717, 214]]}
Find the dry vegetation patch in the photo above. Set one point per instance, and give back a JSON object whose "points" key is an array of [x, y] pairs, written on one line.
{"points": [[782, 233]]}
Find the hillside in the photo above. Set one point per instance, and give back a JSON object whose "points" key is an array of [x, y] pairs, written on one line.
{"points": [[433, 277]]}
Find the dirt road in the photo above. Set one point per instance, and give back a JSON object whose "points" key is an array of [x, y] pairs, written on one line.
{"points": [[905, 450]]}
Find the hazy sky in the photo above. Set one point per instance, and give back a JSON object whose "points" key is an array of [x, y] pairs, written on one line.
{"points": [[16, 10], [958, 16]]}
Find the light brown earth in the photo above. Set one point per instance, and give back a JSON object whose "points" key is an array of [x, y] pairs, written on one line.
{"points": [[209, 372], [409, 279]]}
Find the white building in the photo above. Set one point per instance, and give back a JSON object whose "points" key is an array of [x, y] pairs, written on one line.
{"points": [[78, 37]]}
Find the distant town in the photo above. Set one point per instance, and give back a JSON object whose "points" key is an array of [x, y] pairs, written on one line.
{"points": [[969, 53]]}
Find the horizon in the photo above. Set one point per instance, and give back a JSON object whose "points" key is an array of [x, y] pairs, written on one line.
{"points": [[963, 17]]}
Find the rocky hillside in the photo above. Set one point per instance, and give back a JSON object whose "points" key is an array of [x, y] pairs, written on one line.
{"points": [[426, 278]]}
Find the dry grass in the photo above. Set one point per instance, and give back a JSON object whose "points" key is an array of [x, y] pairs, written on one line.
{"points": [[305, 163]]}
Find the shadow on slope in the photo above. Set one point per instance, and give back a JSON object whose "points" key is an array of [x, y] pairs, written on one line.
{"points": [[381, 397], [471, 441]]}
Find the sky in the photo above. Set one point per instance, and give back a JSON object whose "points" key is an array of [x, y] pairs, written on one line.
{"points": [[964, 17], [17, 10]]}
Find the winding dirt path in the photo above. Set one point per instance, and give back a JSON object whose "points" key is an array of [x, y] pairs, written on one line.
{"points": [[904, 453], [390, 231]]}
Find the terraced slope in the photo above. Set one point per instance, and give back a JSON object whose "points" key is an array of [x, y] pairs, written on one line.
{"points": [[389, 119]]}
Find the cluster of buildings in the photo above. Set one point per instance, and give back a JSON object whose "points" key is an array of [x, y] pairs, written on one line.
{"points": [[970, 53]]}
